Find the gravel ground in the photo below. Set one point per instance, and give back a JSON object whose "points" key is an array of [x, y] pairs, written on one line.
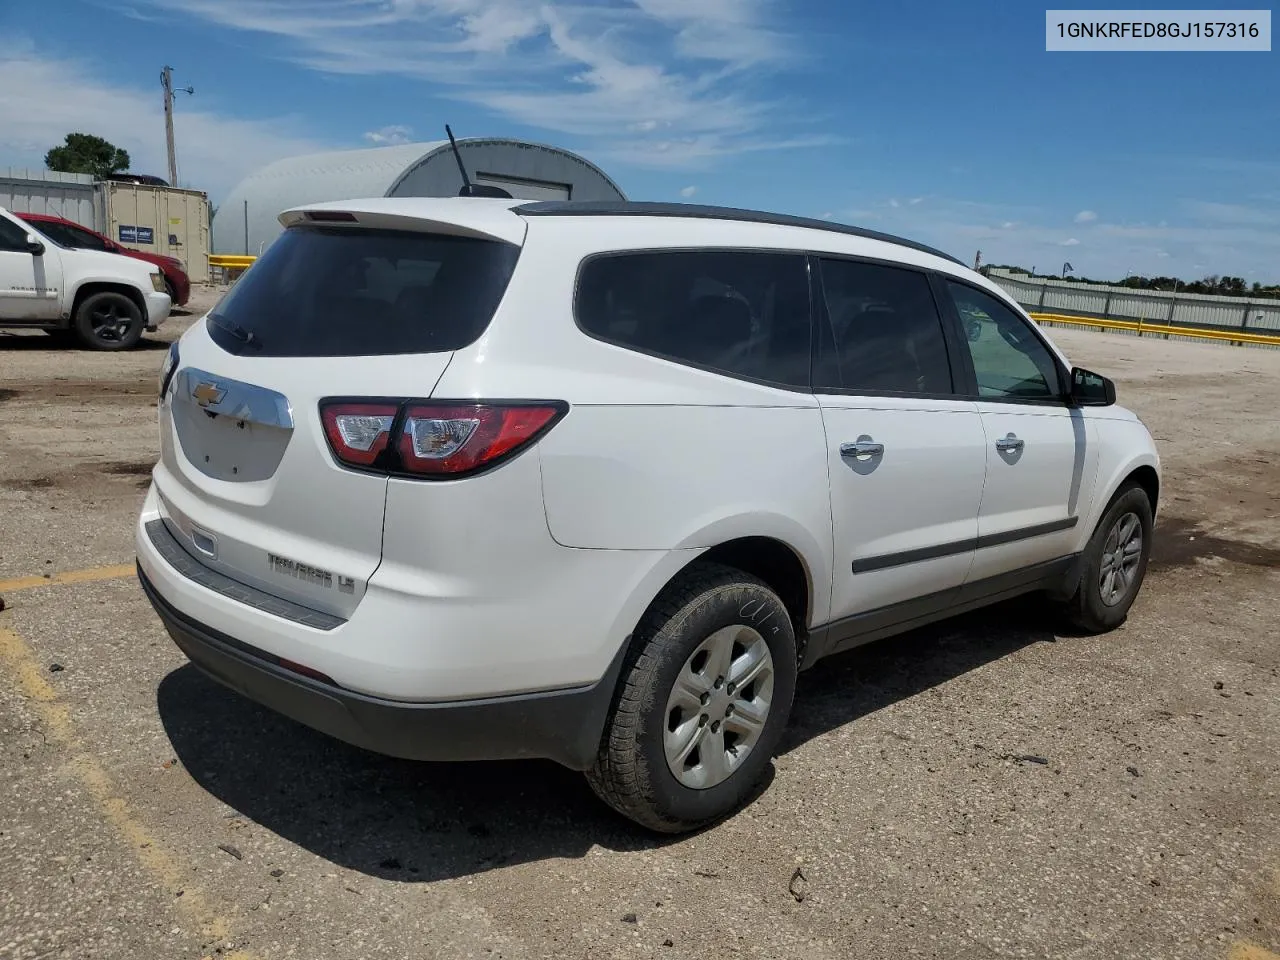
{"points": [[146, 812]]}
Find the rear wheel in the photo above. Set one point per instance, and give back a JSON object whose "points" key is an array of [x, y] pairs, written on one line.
{"points": [[1114, 563], [109, 321], [702, 702]]}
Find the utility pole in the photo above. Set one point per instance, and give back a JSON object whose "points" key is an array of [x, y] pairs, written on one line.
{"points": [[166, 81]]}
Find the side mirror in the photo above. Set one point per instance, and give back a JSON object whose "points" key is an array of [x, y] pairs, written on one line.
{"points": [[34, 246], [1089, 389]]}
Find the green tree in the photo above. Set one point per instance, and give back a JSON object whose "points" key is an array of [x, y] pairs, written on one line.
{"points": [[86, 153]]}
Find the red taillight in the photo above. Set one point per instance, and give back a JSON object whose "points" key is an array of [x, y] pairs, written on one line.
{"points": [[433, 440], [460, 438], [358, 432]]}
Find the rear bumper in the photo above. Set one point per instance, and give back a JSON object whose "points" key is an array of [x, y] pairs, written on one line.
{"points": [[564, 726]]}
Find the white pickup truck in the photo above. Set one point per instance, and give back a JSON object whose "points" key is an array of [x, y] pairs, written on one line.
{"points": [[102, 299]]}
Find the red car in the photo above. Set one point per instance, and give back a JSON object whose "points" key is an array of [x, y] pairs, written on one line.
{"points": [[71, 234]]}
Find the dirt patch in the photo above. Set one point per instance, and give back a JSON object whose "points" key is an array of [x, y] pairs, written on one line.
{"points": [[121, 468], [29, 483], [82, 391], [1180, 543]]}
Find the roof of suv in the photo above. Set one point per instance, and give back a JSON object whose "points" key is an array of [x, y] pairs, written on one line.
{"points": [[635, 208], [478, 216]]}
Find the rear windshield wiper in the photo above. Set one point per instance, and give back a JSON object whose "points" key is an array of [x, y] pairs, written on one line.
{"points": [[240, 333]]}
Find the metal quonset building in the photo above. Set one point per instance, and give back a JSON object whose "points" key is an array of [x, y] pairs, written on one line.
{"points": [[246, 220]]}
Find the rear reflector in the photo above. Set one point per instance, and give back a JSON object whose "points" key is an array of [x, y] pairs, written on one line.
{"points": [[305, 671], [433, 440]]}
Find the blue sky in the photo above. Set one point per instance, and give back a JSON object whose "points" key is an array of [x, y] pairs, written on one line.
{"points": [[946, 122]]}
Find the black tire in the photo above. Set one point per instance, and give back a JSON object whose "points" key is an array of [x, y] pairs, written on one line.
{"points": [[1087, 609], [109, 321], [173, 294], [631, 772]]}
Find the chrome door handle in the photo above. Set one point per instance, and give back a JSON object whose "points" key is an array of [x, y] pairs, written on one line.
{"points": [[1009, 444], [862, 449]]}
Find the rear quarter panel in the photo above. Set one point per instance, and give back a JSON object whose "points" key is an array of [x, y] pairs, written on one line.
{"points": [[653, 455]]}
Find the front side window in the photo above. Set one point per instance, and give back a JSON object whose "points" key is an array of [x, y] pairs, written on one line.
{"points": [[743, 313], [1009, 360], [12, 236], [883, 332]]}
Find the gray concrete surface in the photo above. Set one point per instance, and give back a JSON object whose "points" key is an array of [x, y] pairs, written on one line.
{"points": [[146, 812]]}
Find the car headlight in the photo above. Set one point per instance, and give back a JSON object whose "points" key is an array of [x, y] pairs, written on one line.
{"points": [[168, 368], [157, 281]]}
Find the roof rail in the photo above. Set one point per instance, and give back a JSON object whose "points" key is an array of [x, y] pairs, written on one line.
{"points": [[637, 208]]}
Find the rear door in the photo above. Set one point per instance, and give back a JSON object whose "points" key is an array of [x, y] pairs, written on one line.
{"points": [[905, 452], [1041, 458], [332, 312]]}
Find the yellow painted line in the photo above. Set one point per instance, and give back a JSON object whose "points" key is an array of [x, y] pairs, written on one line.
{"points": [[20, 663], [1240, 950], [71, 576]]}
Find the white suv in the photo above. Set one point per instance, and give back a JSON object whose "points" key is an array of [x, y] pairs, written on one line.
{"points": [[468, 478], [104, 299]]}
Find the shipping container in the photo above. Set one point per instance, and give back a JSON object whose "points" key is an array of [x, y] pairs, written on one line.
{"points": [[164, 220], [69, 195]]}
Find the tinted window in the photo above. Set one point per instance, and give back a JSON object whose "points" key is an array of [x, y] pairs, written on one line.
{"points": [[75, 237], [743, 313], [12, 236], [884, 333], [1009, 360], [327, 292]]}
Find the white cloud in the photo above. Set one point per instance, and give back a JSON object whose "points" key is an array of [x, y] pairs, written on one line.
{"points": [[1086, 216], [1071, 242], [1008, 225], [395, 133], [43, 99], [650, 82], [894, 203], [915, 200], [688, 191]]}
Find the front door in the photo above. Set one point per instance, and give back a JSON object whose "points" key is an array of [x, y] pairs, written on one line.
{"points": [[1041, 454], [906, 454], [29, 284]]}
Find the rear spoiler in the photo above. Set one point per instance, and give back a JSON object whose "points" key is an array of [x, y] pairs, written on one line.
{"points": [[482, 218]]}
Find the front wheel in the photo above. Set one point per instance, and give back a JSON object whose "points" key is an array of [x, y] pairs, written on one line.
{"points": [[1114, 563], [109, 321], [701, 704]]}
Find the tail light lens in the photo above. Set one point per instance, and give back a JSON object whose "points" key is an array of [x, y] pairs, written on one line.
{"points": [[434, 440], [358, 432]]}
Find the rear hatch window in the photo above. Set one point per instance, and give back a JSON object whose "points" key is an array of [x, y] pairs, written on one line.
{"points": [[342, 291]]}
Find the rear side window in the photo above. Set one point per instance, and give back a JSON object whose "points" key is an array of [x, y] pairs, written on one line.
{"points": [[742, 313], [71, 237], [330, 292], [883, 332]]}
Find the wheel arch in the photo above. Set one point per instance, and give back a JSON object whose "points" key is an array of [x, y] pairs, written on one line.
{"points": [[1142, 469], [784, 567], [90, 287]]}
